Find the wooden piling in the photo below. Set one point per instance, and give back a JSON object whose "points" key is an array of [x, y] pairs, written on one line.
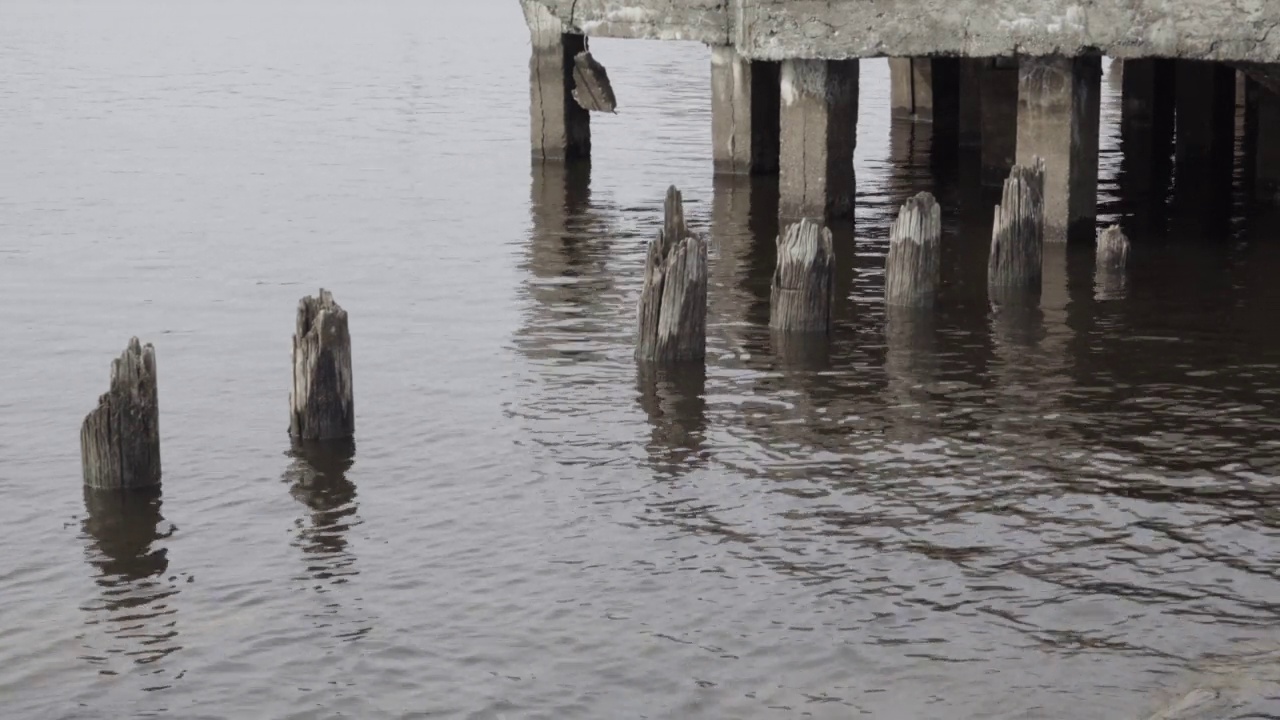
{"points": [[321, 405], [1017, 236], [803, 280], [120, 439], [913, 269], [672, 313], [1113, 250], [591, 87]]}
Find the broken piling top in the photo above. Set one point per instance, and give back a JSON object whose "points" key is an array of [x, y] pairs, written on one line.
{"points": [[120, 439], [913, 269], [803, 288], [672, 313], [321, 405], [1112, 250], [1017, 236], [591, 87]]}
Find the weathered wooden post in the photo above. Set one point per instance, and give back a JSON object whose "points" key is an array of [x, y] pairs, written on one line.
{"points": [[672, 314], [591, 87], [1017, 236], [913, 269], [1113, 250], [120, 439], [803, 280], [1112, 257], [321, 405]]}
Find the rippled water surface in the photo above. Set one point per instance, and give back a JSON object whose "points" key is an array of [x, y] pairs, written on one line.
{"points": [[1069, 512]]}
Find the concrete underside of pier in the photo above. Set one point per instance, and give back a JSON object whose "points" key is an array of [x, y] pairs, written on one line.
{"points": [[1233, 31]]}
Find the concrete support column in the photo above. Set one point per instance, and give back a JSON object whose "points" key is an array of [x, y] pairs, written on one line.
{"points": [[1148, 94], [1059, 102], [744, 114], [998, 91], [1206, 101], [970, 113], [902, 101], [819, 122], [922, 88], [560, 128], [926, 89], [1146, 126], [1267, 144]]}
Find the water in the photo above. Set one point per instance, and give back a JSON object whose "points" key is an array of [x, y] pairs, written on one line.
{"points": [[1067, 513]]}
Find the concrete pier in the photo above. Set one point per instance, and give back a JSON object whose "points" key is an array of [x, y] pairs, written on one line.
{"points": [[560, 128], [1058, 113], [819, 132], [745, 98], [1206, 105], [998, 95]]}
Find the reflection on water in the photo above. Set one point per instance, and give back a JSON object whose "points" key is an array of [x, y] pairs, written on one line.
{"points": [[1059, 488], [317, 478], [673, 399], [135, 607]]}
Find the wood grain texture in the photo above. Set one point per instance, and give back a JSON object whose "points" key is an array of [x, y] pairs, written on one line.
{"points": [[321, 405], [803, 288], [120, 439], [672, 312], [913, 269], [1017, 237]]}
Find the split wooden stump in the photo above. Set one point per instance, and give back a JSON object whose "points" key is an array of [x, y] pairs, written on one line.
{"points": [[120, 439], [913, 269], [1017, 237], [591, 87], [803, 288], [672, 314], [321, 405]]}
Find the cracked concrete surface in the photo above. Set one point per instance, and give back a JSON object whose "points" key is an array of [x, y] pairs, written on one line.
{"points": [[1230, 30]]}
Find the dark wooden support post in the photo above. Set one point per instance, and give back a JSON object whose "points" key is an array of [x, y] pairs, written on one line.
{"points": [[120, 439], [745, 106], [1059, 102], [819, 122], [560, 127]]}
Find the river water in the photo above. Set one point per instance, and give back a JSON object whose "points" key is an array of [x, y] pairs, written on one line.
{"points": [[1065, 513]]}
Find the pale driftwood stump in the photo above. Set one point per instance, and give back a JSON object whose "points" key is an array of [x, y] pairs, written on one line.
{"points": [[1112, 251], [321, 405], [1017, 236], [591, 86], [120, 439], [804, 279], [672, 314], [913, 269]]}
